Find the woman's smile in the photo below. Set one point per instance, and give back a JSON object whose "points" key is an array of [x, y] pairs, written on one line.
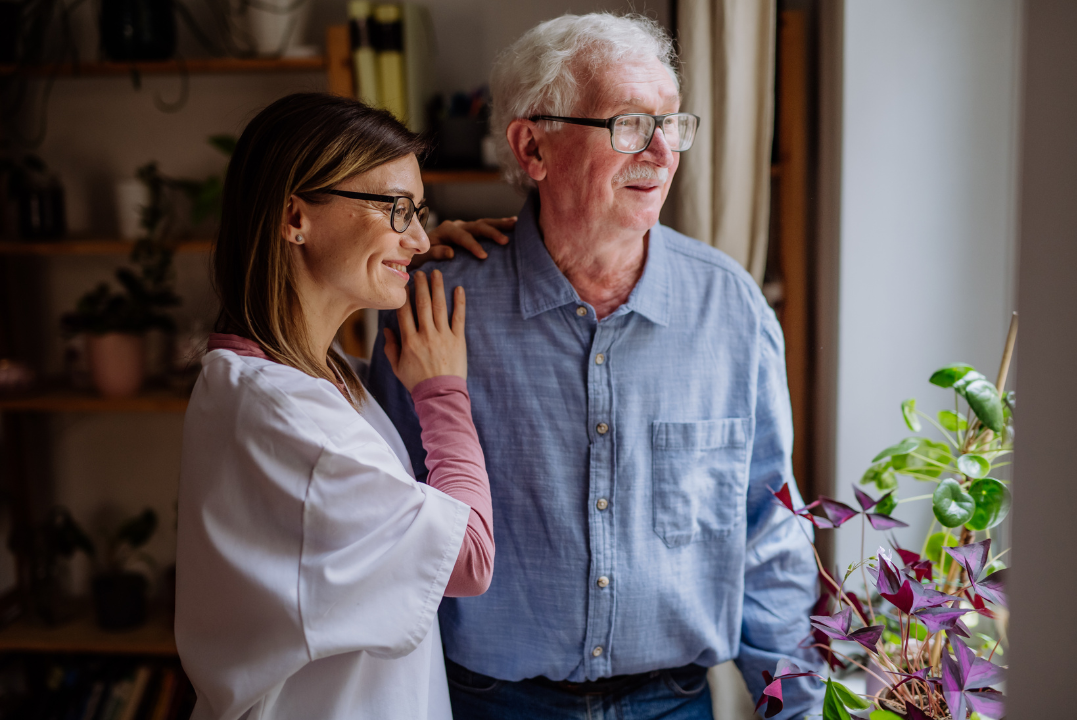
{"points": [[400, 268]]}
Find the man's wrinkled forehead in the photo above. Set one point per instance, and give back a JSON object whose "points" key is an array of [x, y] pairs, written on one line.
{"points": [[631, 85]]}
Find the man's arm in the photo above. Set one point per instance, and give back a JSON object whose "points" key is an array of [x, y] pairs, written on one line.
{"points": [[780, 573], [394, 397]]}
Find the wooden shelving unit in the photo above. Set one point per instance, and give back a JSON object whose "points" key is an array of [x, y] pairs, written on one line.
{"points": [[445, 177], [195, 66], [90, 246], [82, 635], [58, 399]]}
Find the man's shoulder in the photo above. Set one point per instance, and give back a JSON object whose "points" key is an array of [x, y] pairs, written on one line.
{"points": [[464, 265], [691, 256]]}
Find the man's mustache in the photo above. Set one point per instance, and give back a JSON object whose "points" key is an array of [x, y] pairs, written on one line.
{"points": [[633, 173]]}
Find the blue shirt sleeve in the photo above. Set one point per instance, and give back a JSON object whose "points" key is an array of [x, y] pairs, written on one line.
{"points": [[394, 398], [780, 572]]}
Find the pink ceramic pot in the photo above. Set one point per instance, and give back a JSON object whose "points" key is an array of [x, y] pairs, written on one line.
{"points": [[117, 363]]}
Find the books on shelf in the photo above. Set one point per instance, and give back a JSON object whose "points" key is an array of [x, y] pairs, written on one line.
{"points": [[84, 687], [393, 49]]}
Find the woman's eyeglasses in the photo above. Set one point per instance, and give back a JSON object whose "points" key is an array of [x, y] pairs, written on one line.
{"points": [[403, 207], [632, 133]]}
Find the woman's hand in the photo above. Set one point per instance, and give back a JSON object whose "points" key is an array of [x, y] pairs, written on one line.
{"points": [[464, 235], [429, 345]]}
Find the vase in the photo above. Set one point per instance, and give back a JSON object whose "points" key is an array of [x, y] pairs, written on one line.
{"points": [[278, 27], [138, 29], [120, 600], [117, 363]]}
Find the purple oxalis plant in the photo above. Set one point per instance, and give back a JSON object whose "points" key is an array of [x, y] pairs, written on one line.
{"points": [[915, 623]]}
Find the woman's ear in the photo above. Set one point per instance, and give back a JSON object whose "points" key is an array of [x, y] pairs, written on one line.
{"points": [[295, 227], [524, 137]]}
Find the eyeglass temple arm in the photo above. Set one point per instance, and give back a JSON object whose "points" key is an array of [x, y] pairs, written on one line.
{"points": [[572, 121]]}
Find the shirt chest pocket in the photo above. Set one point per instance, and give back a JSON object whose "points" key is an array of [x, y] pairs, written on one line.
{"points": [[700, 478]]}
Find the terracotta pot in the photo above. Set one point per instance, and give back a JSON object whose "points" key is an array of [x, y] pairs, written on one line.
{"points": [[117, 363]]}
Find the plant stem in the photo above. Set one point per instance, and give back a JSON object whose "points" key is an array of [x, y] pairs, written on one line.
{"points": [[863, 572], [944, 431], [1007, 354], [832, 581], [918, 497]]}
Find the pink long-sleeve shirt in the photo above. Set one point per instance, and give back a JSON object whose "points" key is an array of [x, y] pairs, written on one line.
{"points": [[453, 457]]}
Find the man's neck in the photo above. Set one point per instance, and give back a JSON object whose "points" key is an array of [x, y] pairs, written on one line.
{"points": [[603, 266]]}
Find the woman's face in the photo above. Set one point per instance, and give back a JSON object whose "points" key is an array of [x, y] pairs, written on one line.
{"points": [[350, 250]]}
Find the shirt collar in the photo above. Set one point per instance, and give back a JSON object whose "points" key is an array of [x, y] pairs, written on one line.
{"points": [[543, 286]]}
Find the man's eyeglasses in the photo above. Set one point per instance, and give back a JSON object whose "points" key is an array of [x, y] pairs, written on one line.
{"points": [[403, 207], [632, 133]]}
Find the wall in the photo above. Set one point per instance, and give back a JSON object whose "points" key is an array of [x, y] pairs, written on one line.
{"points": [[101, 129], [926, 226], [1044, 629]]}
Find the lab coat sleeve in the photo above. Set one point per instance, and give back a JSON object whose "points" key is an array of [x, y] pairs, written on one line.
{"points": [[378, 550]]}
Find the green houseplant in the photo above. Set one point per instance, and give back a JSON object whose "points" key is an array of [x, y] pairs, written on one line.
{"points": [[119, 593], [919, 627]]}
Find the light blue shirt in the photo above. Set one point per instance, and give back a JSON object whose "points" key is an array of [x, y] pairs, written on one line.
{"points": [[631, 464]]}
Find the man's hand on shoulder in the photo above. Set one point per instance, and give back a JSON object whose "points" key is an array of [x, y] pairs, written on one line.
{"points": [[465, 235]]}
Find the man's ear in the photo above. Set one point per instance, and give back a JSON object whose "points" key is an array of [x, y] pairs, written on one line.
{"points": [[295, 226], [524, 136]]}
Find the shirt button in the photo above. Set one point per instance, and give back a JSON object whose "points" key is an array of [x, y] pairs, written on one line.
{"points": [[597, 651], [602, 428], [603, 581], [602, 503], [599, 359], [581, 311]]}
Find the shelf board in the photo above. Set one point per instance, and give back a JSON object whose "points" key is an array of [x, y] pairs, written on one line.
{"points": [[195, 66], [59, 400], [445, 177], [91, 246], [82, 635]]}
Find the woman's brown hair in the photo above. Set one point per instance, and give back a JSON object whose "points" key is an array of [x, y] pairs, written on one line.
{"points": [[300, 145]]}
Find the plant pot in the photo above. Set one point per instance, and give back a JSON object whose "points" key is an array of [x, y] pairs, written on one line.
{"points": [[277, 27], [117, 363], [120, 600], [138, 29]]}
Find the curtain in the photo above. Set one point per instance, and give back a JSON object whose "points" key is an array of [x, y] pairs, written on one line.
{"points": [[723, 184]]}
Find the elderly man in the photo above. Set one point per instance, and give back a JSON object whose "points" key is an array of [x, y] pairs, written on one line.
{"points": [[628, 386]]}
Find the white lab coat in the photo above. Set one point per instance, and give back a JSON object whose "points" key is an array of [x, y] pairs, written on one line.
{"points": [[310, 563]]}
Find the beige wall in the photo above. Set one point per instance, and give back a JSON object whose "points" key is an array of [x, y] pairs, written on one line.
{"points": [[101, 129]]}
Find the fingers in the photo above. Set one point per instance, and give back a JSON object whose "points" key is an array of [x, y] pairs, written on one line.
{"points": [[483, 228], [437, 301], [422, 303], [459, 310], [436, 252], [457, 234], [392, 349], [406, 319]]}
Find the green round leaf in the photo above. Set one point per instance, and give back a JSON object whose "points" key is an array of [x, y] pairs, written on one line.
{"points": [[967, 378], [833, 707], [933, 457], [992, 499], [984, 400], [886, 504], [908, 411], [952, 505], [947, 376], [882, 475], [975, 466], [905, 446], [952, 421], [934, 552]]}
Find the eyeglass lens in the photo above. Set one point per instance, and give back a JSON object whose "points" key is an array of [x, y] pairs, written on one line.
{"points": [[404, 210], [632, 133]]}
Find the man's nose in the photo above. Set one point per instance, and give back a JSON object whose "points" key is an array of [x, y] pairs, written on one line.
{"points": [[658, 151]]}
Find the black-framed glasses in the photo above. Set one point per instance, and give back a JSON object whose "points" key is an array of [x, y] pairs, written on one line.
{"points": [[404, 208], [632, 133]]}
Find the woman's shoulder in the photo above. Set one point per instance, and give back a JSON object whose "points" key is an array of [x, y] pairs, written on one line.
{"points": [[259, 391]]}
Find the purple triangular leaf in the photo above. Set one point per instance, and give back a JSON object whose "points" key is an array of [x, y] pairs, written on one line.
{"points": [[907, 556], [866, 503], [973, 557], [987, 702], [836, 512], [835, 626], [937, 619], [868, 637], [884, 522], [784, 496], [887, 579], [992, 587], [914, 713]]}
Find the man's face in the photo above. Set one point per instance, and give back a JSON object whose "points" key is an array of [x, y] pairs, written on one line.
{"points": [[587, 177]]}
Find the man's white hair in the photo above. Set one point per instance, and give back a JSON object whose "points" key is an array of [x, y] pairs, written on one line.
{"points": [[544, 71]]}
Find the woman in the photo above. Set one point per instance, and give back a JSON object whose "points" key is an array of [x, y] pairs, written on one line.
{"points": [[310, 564]]}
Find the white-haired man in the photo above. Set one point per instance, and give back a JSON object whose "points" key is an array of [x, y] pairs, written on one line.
{"points": [[628, 386]]}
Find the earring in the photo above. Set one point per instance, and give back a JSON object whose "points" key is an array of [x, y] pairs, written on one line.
{"points": [[300, 239]]}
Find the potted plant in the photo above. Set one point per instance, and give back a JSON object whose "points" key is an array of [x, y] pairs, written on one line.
{"points": [[58, 538], [917, 620], [119, 593]]}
